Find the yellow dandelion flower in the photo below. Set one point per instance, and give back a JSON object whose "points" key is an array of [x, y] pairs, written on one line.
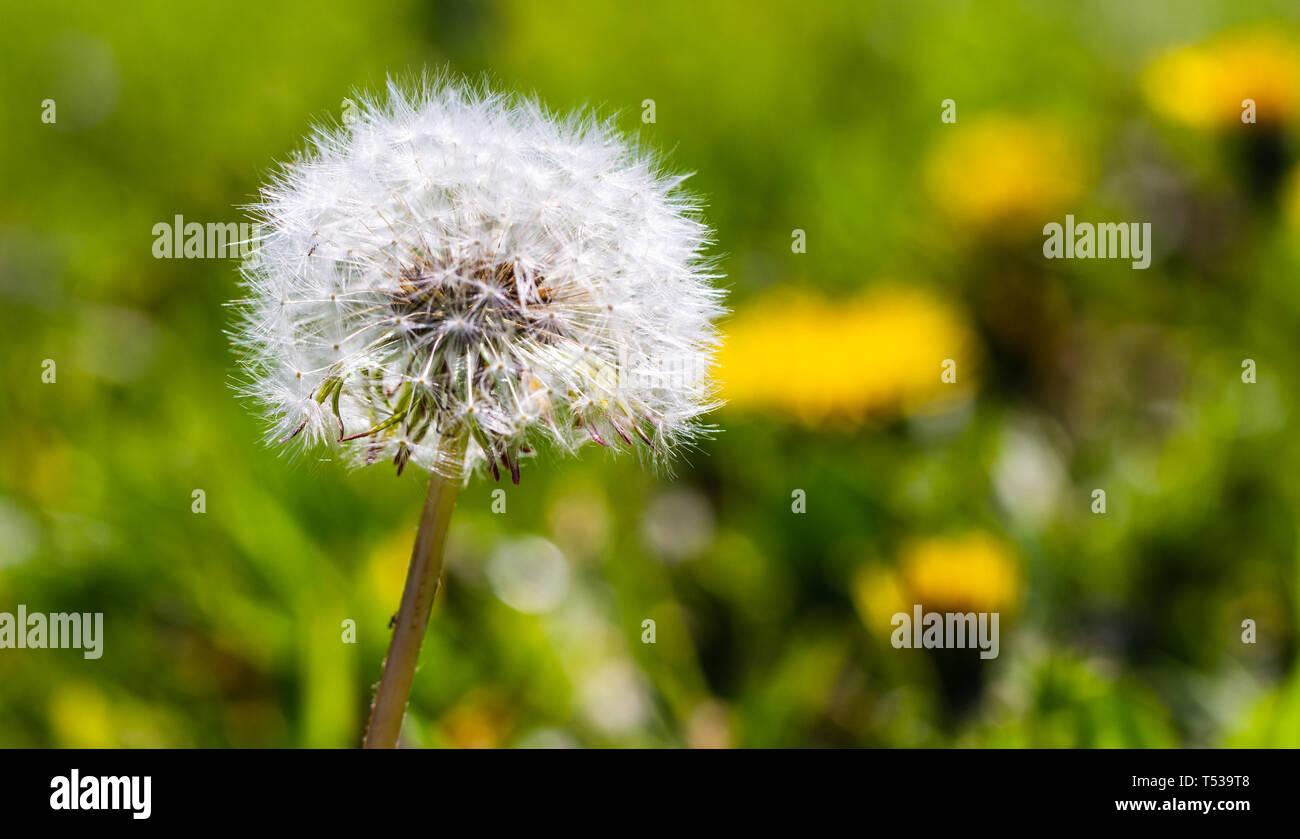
{"points": [[1205, 85], [1003, 170], [819, 360], [971, 571], [878, 594]]}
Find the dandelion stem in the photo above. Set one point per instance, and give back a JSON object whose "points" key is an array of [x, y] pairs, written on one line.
{"points": [[413, 616]]}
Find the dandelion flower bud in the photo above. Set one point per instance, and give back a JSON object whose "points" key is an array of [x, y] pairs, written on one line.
{"points": [[456, 276]]}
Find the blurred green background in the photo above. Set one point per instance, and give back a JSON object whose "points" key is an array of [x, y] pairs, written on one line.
{"points": [[924, 244]]}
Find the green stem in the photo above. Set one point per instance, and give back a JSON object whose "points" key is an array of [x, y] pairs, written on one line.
{"points": [[413, 617]]}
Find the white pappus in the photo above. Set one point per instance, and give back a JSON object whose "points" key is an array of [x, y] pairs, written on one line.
{"points": [[458, 275]]}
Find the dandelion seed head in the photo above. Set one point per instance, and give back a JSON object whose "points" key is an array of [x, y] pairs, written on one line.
{"points": [[457, 276]]}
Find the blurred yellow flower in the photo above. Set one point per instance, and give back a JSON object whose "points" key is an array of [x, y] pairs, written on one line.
{"points": [[1003, 170], [970, 571], [81, 716], [878, 595], [973, 571], [1204, 85], [821, 360], [479, 721]]}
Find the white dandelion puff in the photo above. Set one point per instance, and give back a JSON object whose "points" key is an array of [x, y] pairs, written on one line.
{"points": [[457, 276]]}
